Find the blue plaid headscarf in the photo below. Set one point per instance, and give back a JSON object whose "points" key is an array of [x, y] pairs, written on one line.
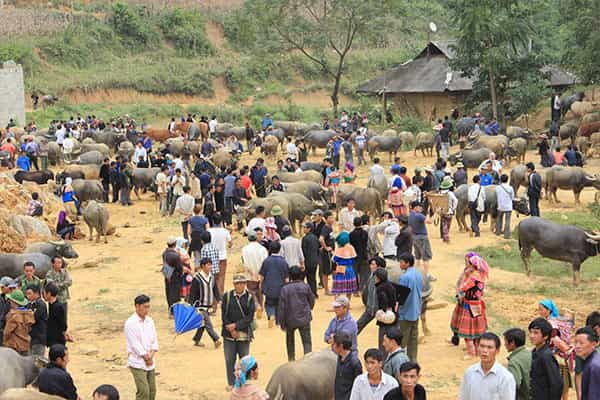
{"points": [[246, 364], [549, 304]]}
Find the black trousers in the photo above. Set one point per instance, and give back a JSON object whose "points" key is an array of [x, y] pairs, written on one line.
{"points": [[475, 218], [115, 194], [291, 342], [361, 268], [172, 291], [534, 207], [311, 277], [105, 190]]}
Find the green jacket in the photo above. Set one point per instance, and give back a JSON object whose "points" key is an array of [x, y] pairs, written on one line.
{"points": [[519, 365], [23, 282], [63, 280]]}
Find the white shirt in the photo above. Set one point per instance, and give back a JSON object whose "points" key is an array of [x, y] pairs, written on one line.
{"points": [[390, 230], [140, 152], [253, 255], [377, 170], [292, 150], [179, 164], [505, 196], [60, 135], [452, 201], [347, 218], [362, 390], [212, 125], [178, 182], [256, 222], [161, 183], [219, 237], [140, 335], [472, 196], [68, 145], [185, 206], [498, 384], [172, 126], [291, 250], [496, 165]]}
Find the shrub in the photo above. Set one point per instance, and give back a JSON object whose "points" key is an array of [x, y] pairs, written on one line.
{"points": [[186, 29], [413, 123], [128, 24]]}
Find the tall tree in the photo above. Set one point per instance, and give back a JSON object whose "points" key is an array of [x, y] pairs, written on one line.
{"points": [[583, 44], [324, 31], [492, 47]]}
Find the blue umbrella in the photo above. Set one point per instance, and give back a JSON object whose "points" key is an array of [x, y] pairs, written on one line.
{"points": [[186, 317]]}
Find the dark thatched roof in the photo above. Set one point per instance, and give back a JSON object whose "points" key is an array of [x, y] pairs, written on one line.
{"points": [[429, 72]]}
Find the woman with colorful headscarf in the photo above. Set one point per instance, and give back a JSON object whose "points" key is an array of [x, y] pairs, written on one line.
{"points": [[560, 341], [469, 317], [349, 174], [344, 278], [186, 279], [247, 370]]}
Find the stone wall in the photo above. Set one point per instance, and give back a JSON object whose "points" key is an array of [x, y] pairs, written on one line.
{"points": [[12, 93]]}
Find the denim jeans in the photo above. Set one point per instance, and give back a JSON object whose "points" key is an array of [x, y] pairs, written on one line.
{"points": [[208, 326], [506, 216], [445, 146], [475, 218], [163, 204], [291, 342], [234, 349]]}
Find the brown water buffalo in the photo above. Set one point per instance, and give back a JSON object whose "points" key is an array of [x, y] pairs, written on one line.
{"points": [[310, 378], [568, 131], [269, 145], [518, 178], [95, 216], [424, 142], [569, 178], [517, 148], [407, 138], [498, 144], [222, 158], [160, 135], [294, 205], [368, 200], [288, 177], [389, 144], [588, 129]]}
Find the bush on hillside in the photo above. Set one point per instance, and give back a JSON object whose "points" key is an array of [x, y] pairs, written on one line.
{"points": [[413, 123], [186, 29], [128, 24]]}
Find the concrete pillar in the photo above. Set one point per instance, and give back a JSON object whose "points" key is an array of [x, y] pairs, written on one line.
{"points": [[12, 93]]}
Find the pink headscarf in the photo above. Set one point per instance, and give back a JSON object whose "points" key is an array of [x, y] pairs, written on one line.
{"points": [[481, 265]]}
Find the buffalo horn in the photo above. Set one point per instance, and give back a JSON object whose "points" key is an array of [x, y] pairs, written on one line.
{"points": [[591, 177], [595, 236], [56, 242]]}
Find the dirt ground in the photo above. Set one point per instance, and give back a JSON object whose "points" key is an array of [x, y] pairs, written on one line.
{"points": [[102, 299]]}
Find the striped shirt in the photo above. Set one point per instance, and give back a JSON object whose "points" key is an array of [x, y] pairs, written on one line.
{"points": [[210, 251]]}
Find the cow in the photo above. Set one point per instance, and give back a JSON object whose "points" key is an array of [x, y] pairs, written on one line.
{"points": [[573, 178], [39, 177], [17, 371], [95, 216], [566, 243], [12, 264], [310, 378], [53, 249]]}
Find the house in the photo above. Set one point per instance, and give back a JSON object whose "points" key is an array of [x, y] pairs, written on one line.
{"points": [[428, 87]]}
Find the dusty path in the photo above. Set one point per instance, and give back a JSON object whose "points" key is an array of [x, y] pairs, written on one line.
{"points": [[103, 296]]}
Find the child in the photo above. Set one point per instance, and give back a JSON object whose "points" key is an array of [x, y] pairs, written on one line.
{"points": [[204, 295], [35, 207], [19, 321]]}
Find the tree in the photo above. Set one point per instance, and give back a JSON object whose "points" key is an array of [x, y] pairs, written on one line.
{"points": [[324, 31], [583, 44], [493, 37], [527, 94]]}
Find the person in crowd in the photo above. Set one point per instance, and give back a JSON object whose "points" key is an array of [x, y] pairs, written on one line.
{"points": [[571, 156], [40, 313], [68, 194], [396, 355], [274, 274], [586, 346], [142, 346], [197, 225], [447, 188], [371, 303], [279, 219], [105, 178], [57, 329], [386, 305], [487, 379], [237, 314], [7, 285], [253, 256], [409, 312], [546, 380], [373, 384], [327, 242], [23, 162], [114, 180], [125, 185], [221, 239], [409, 389], [28, 276], [347, 215], [534, 189], [244, 390], [519, 360], [476, 198], [184, 206], [210, 202], [361, 145], [417, 222], [61, 278], [258, 174], [469, 320], [342, 321], [18, 323], [177, 184], [204, 294], [404, 240], [54, 378], [460, 175], [505, 196], [310, 250], [349, 173], [395, 201], [592, 321], [344, 277], [348, 367], [35, 208], [359, 239], [105, 392], [276, 185], [390, 229], [294, 311], [546, 156], [173, 272], [291, 248]]}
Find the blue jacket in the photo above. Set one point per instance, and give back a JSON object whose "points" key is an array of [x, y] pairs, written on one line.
{"points": [[346, 324], [266, 122], [411, 309], [55, 380], [24, 163]]}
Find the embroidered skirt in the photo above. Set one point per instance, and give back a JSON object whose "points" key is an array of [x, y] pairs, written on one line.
{"points": [[465, 325]]}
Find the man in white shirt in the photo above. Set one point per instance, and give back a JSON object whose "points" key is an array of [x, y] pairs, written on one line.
{"points": [[476, 202], [390, 228], [377, 169], [253, 255], [212, 126], [348, 214], [292, 150], [361, 144], [161, 190], [291, 248], [505, 196], [487, 379], [171, 126], [185, 208], [496, 165], [373, 384], [140, 151], [142, 345], [258, 221], [221, 238], [60, 135], [68, 145], [177, 184]]}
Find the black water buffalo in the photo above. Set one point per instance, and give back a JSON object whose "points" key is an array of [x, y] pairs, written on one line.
{"points": [[318, 138], [569, 178], [465, 126], [311, 166], [143, 178], [389, 144], [108, 137], [566, 243], [39, 177], [470, 158], [60, 177], [310, 378], [491, 206], [16, 371], [53, 248], [12, 264]]}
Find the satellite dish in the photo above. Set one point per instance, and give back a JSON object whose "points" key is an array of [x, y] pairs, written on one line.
{"points": [[433, 27]]}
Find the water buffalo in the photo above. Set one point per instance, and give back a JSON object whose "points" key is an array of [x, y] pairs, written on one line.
{"points": [[143, 178], [590, 117], [101, 147], [109, 137], [90, 171], [16, 371], [54, 153], [95, 216], [303, 129], [318, 138], [568, 131], [12, 264], [513, 132], [27, 394], [269, 145], [223, 159], [310, 378], [93, 157], [470, 158], [491, 205], [498, 144], [465, 126], [310, 190], [39, 177], [368, 200], [567, 102], [380, 183], [53, 249], [566, 243], [389, 144], [311, 166], [238, 131], [288, 177], [290, 128], [573, 178], [277, 133], [407, 138], [126, 150], [60, 177], [519, 177], [176, 146], [517, 148], [424, 141], [583, 143], [222, 128], [588, 129], [295, 206], [86, 189]]}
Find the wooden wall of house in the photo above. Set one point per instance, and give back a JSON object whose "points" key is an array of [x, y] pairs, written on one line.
{"points": [[428, 105]]}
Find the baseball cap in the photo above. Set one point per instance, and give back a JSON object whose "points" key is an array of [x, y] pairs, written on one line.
{"points": [[238, 278], [6, 281], [309, 225], [171, 240], [318, 211], [341, 301], [252, 235]]}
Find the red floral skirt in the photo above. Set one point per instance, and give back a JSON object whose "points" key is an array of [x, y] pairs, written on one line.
{"points": [[464, 324]]}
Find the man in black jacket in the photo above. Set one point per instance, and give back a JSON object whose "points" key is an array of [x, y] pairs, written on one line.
{"points": [[114, 181], [310, 250], [404, 240], [534, 189], [172, 271], [56, 327], [546, 382], [359, 239], [237, 315], [204, 294], [105, 178], [40, 313], [54, 379]]}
